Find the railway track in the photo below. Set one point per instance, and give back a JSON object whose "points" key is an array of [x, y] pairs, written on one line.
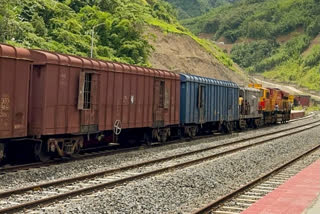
{"points": [[93, 153], [43, 193], [86, 155], [242, 198]]}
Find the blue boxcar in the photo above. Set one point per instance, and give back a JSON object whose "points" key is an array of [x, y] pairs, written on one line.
{"points": [[205, 100]]}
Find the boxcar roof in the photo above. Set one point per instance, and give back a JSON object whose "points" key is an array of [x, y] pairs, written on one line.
{"points": [[301, 95], [249, 89], [205, 80], [123, 67], [47, 57], [9, 51]]}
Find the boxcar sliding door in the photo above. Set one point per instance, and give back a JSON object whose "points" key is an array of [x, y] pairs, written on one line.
{"points": [[87, 101], [201, 103], [159, 103]]}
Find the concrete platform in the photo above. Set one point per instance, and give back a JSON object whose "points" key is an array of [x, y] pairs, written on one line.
{"points": [[314, 208], [296, 114], [300, 194]]}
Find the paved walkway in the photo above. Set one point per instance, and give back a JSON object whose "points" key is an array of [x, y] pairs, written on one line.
{"points": [[298, 195], [314, 208]]}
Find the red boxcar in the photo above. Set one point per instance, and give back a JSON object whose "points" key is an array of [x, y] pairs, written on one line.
{"points": [[14, 91], [302, 100], [80, 96]]}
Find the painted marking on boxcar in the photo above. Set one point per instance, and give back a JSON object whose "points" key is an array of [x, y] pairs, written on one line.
{"points": [[63, 79], [18, 121], [4, 106], [125, 100], [4, 110]]}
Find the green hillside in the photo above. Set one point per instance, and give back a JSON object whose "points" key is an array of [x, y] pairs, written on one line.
{"points": [[66, 26], [119, 27], [193, 8], [270, 37]]}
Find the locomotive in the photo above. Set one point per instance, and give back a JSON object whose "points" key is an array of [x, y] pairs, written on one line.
{"points": [[59, 104]]}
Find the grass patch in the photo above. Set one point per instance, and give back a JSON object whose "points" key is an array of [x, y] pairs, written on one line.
{"points": [[312, 109], [303, 71], [308, 110]]}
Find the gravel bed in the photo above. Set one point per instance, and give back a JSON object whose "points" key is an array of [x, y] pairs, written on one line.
{"points": [[65, 170], [55, 190], [183, 190]]}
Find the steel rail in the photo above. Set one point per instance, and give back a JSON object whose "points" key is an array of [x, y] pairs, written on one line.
{"points": [[145, 163], [64, 160], [113, 152], [124, 180]]}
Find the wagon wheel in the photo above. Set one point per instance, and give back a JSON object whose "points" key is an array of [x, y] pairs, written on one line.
{"points": [[257, 123], [163, 138], [40, 153], [225, 127], [147, 139], [2, 152], [194, 131], [229, 127], [180, 133], [77, 148], [220, 127]]}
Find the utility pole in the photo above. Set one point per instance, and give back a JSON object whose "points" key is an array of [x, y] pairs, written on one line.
{"points": [[92, 35]]}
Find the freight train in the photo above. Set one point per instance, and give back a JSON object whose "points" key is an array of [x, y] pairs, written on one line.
{"points": [[59, 104]]}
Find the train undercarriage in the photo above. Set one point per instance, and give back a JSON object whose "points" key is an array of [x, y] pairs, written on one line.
{"points": [[48, 147], [274, 117]]}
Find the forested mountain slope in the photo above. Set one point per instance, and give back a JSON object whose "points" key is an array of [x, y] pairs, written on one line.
{"points": [[269, 37], [121, 29], [66, 26], [193, 8]]}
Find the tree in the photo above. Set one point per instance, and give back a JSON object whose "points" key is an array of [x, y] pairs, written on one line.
{"points": [[39, 25], [108, 5], [76, 5]]}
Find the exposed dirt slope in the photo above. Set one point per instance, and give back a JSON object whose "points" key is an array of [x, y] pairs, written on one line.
{"points": [[180, 53], [226, 45], [314, 42]]}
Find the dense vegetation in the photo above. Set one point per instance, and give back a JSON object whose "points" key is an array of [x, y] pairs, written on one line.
{"points": [[255, 27], [66, 26], [258, 19], [119, 27], [193, 8]]}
